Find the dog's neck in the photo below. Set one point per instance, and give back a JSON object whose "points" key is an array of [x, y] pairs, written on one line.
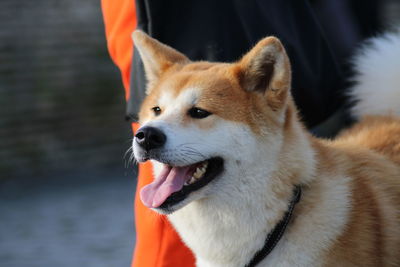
{"points": [[219, 227], [276, 234]]}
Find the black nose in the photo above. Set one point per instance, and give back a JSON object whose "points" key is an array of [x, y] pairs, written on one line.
{"points": [[150, 138]]}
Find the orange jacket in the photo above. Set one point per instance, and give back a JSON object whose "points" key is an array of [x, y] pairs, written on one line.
{"points": [[157, 243]]}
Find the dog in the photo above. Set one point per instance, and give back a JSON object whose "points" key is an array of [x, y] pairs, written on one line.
{"points": [[242, 180]]}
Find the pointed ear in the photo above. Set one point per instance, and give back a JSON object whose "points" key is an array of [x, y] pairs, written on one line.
{"points": [[156, 56], [266, 69]]}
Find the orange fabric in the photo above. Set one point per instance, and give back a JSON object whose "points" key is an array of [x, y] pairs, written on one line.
{"points": [[120, 21], [157, 243]]}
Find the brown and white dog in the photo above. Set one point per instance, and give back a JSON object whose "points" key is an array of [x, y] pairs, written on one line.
{"points": [[228, 149]]}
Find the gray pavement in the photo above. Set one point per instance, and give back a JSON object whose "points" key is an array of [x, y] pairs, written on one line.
{"points": [[78, 219]]}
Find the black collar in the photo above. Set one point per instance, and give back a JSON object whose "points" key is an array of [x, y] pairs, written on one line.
{"points": [[276, 234]]}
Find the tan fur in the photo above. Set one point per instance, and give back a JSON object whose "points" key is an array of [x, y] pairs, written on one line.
{"points": [[379, 133], [222, 94], [367, 154], [371, 236]]}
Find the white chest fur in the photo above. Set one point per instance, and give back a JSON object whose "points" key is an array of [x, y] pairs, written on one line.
{"points": [[232, 236]]}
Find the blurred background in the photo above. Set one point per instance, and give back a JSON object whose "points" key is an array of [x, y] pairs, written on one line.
{"points": [[66, 185]]}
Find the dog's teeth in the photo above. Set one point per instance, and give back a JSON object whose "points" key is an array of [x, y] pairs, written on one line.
{"points": [[192, 180], [197, 174]]}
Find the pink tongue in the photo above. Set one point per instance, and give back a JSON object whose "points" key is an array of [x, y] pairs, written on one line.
{"points": [[170, 180]]}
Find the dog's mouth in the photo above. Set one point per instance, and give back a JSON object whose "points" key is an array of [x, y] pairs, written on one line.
{"points": [[174, 184]]}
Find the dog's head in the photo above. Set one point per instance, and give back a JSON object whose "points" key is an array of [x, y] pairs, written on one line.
{"points": [[205, 124]]}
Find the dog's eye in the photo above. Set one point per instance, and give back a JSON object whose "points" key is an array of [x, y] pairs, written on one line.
{"points": [[198, 113], [156, 110]]}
